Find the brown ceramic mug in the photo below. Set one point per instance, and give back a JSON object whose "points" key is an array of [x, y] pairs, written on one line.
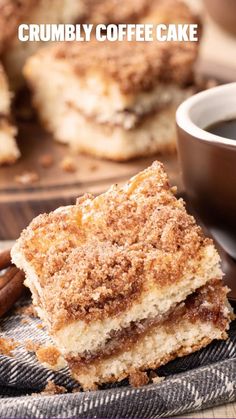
{"points": [[208, 161], [223, 12]]}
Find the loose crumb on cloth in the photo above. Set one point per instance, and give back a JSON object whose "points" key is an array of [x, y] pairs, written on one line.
{"points": [[7, 346], [51, 389], [27, 310]]}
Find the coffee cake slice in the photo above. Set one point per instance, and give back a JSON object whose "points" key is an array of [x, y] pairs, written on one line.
{"points": [[9, 152], [116, 100], [110, 274]]}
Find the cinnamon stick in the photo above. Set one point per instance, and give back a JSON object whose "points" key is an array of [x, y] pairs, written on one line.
{"points": [[5, 259], [4, 279], [11, 290]]}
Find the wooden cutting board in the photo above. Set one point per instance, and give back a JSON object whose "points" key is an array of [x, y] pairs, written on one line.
{"points": [[55, 187]]}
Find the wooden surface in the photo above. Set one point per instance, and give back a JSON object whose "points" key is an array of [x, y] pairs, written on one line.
{"points": [[55, 187]]}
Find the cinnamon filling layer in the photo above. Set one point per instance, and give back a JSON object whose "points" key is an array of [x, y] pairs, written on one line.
{"points": [[206, 304], [128, 118]]}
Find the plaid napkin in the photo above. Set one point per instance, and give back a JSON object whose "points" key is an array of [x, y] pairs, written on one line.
{"points": [[197, 381]]}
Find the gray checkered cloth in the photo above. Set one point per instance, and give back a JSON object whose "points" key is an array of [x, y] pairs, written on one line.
{"points": [[197, 381]]}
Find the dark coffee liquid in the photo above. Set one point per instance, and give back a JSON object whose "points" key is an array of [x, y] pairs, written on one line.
{"points": [[226, 129]]}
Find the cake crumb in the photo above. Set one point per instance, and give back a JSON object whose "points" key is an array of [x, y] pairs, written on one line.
{"points": [[31, 346], [7, 346], [157, 379], [138, 379], [48, 355], [154, 378], [27, 178], [46, 161], [68, 165], [27, 310], [52, 389]]}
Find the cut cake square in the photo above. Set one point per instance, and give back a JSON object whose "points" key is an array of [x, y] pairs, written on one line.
{"points": [[125, 281], [116, 101]]}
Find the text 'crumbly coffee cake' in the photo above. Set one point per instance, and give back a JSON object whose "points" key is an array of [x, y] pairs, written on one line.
{"points": [[125, 281]]}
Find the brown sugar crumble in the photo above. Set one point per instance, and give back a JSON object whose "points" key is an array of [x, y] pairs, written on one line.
{"points": [[32, 346], [68, 165], [27, 310], [48, 354], [138, 379], [27, 178], [7, 346], [52, 389]]}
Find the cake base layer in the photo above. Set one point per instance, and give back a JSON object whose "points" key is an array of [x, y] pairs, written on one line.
{"points": [[191, 325], [156, 134], [155, 349]]}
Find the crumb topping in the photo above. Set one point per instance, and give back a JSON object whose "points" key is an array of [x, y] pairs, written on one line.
{"points": [[96, 258], [112, 11], [51, 389], [134, 66], [138, 379], [7, 346], [31, 346], [48, 355]]}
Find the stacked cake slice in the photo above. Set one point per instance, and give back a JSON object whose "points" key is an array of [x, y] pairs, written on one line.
{"points": [[8, 148], [115, 100], [125, 281]]}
